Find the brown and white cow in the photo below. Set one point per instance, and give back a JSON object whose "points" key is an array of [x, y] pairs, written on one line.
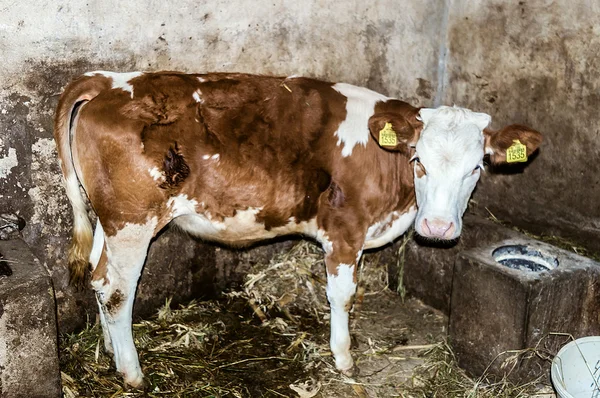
{"points": [[237, 158]]}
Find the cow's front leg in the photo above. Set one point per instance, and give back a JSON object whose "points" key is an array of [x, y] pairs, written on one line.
{"points": [[341, 287]]}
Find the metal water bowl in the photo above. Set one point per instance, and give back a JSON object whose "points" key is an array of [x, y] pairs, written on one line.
{"points": [[524, 258]]}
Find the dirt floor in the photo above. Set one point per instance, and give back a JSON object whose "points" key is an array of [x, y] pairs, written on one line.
{"points": [[269, 338]]}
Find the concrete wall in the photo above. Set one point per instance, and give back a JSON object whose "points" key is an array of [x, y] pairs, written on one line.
{"points": [[387, 45], [532, 62], [535, 63]]}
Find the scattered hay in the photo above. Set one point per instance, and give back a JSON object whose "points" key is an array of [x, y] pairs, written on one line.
{"points": [[401, 254], [441, 377], [270, 339], [218, 348], [189, 351]]}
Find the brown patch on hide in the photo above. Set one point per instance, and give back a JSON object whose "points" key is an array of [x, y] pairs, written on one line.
{"points": [[158, 97], [114, 302], [349, 303], [372, 183], [101, 269], [402, 117], [273, 136], [499, 141]]}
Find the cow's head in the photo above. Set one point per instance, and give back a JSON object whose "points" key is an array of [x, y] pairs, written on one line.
{"points": [[446, 146]]}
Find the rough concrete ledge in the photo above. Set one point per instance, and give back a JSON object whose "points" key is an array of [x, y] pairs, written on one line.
{"points": [[28, 336]]}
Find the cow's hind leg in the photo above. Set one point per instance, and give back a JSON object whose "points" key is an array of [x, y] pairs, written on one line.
{"points": [[115, 282]]}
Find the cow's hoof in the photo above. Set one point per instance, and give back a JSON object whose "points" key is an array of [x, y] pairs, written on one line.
{"points": [[134, 380], [344, 364], [351, 372]]}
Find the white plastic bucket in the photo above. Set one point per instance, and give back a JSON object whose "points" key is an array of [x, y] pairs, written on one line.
{"points": [[576, 369]]}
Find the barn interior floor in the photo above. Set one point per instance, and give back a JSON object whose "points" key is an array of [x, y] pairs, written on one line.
{"points": [[269, 338], [231, 351]]}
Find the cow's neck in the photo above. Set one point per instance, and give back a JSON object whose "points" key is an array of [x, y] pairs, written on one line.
{"points": [[398, 202]]}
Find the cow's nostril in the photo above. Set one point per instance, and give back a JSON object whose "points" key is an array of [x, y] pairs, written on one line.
{"points": [[438, 228], [425, 227], [449, 231]]}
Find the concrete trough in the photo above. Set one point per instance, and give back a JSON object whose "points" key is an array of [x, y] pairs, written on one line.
{"points": [[428, 271], [28, 335], [513, 293], [493, 308]]}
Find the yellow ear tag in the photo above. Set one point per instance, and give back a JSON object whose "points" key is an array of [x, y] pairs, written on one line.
{"points": [[516, 153], [387, 136]]}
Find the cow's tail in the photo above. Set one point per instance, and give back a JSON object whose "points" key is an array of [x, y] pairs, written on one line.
{"points": [[75, 95]]}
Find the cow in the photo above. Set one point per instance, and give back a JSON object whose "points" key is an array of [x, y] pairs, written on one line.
{"points": [[238, 158]]}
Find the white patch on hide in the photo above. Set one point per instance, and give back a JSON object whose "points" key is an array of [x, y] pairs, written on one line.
{"points": [[197, 95], [181, 205], [212, 157], [126, 242], [97, 246], [323, 239], [340, 289], [388, 229], [119, 80], [360, 106], [241, 228], [157, 174]]}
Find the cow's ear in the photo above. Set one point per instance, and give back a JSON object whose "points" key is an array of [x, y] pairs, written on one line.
{"points": [[393, 132], [514, 143]]}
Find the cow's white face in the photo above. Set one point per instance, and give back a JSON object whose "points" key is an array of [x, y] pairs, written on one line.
{"points": [[447, 165]]}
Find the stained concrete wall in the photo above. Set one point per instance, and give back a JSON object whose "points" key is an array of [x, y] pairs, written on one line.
{"points": [[535, 63], [532, 62], [387, 45]]}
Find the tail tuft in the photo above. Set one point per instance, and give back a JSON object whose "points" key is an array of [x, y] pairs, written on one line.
{"points": [[79, 252]]}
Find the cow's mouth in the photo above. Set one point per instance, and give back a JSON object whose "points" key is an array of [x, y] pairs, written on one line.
{"points": [[436, 242]]}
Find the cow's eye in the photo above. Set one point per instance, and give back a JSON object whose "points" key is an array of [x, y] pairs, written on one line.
{"points": [[419, 168], [478, 167]]}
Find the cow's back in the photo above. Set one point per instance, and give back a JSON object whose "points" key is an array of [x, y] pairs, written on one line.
{"points": [[224, 142]]}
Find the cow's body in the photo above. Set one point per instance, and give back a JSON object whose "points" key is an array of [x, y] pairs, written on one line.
{"points": [[239, 158]]}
